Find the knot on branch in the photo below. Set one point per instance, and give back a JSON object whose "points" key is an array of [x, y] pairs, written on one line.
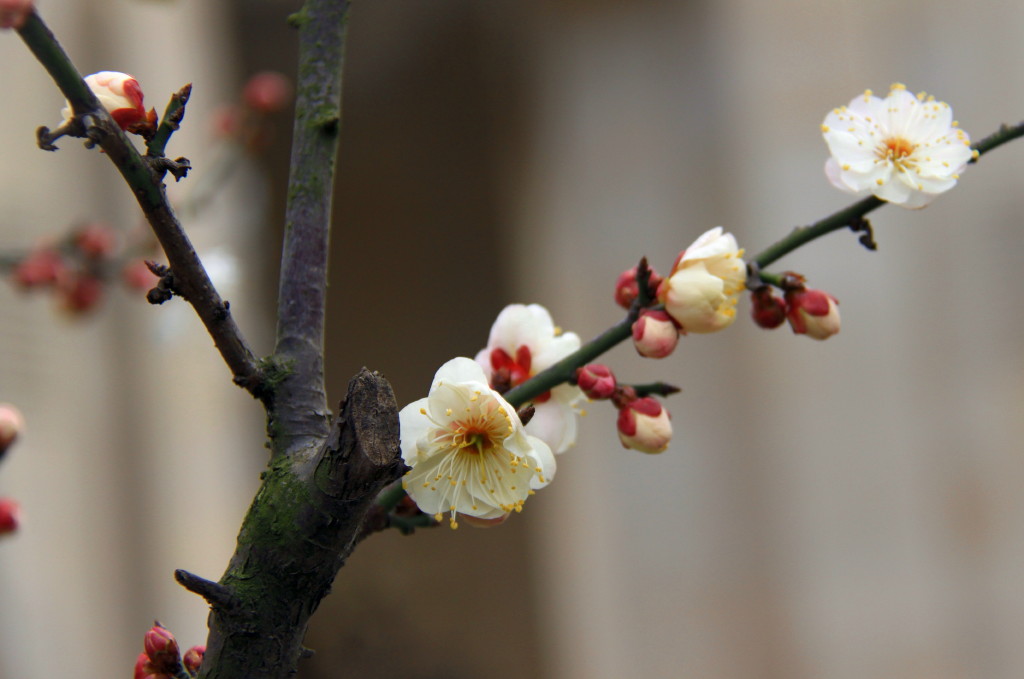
{"points": [[166, 287], [217, 595], [160, 165], [867, 235], [362, 453]]}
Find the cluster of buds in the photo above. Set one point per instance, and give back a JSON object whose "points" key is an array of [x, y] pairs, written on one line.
{"points": [[643, 423], [810, 312], [76, 269], [162, 659], [655, 332], [12, 423], [247, 121]]}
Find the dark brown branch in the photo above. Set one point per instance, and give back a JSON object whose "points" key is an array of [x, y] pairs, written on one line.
{"points": [[299, 413], [191, 277], [303, 524]]}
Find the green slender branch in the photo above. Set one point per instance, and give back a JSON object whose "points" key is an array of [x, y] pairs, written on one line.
{"points": [[299, 417], [805, 234], [191, 278], [171, 121], [565, 370]]}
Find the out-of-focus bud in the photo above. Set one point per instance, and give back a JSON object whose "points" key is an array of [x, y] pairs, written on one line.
{"points": [[80, 293], [477, 522], [137, 275], [13, 13], [627, 288], [42, 267], [95, 240], [812, 312], [644, 425], [193, 658], [12, 423], [596, 380], [121, 95], [10, 516], [226, 120], [766, 308], [162, 649], [655, 334], [267, 92]]}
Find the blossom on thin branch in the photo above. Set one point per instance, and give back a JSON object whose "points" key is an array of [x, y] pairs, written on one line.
{"points": [[121, 95], [703, 288], [904, 149], [468, 449], [523, 342]]}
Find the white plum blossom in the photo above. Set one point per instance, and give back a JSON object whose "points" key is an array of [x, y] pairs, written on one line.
{"points": [[523, 342], [703, 288], [468, 450], [904, 149]]}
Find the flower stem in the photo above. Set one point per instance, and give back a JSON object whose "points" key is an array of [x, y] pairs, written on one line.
{"points": [[565, 370]]}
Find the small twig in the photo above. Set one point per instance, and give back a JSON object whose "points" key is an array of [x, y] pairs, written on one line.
{"points": [[216, 595], [191, 277], [658, 388], [173, 115], [867, 235]]}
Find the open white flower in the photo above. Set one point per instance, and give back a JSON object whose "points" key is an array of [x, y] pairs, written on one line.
{"points": [[468, 450], [703, 288], [523, 342], [904, 149]]}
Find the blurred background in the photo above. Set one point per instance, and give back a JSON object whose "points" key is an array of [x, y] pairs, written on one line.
{"points": [[841, 510]]}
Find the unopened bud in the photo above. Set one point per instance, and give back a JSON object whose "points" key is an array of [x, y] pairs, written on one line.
{"points": [[140, 667], [81, 293], [41, 267], [655, 334], [193, 658], [137, 275], [95, 240], [596, 380], [627, 288], [267, 92], [12, 423], [645, 425], [14, 13], [162, 649], [767, 309], [121, 95], [10, 516], [812, 312]]}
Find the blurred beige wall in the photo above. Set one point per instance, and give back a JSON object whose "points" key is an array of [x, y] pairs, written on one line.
{"points": [[846, 509]]}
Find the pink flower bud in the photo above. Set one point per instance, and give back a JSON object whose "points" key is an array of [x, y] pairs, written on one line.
{"points": [[137, 275], [162, 649], [140, 667], [10, 516], [596, 380], [655, 334], [14, 13], [267, 92], [812, 312], [42, 267], [767, 309], [645, 425], [12, 423], [121, 95], [95, 240], [193, 658], [80, 293], [627, 288]]}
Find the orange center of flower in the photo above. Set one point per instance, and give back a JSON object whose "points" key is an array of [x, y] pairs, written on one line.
{"points": [[896, 149]]}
